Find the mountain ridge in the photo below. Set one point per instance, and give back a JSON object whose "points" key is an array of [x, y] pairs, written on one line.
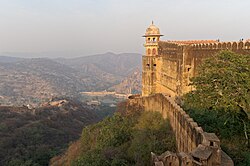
{"points": [[36, 80]]}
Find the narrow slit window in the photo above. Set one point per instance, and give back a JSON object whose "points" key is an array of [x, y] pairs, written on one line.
{"points": [[211, 143]]}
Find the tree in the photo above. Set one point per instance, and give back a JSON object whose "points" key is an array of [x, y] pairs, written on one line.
{"points": [[223, 84], [124, 139]]}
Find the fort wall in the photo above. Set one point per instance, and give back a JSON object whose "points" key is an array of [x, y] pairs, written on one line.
{"points": [[195, 147], [170, 72], [223, 46], [178, 62]]}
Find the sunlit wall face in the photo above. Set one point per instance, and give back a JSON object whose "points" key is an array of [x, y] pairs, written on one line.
{"points": [[98, 26]]}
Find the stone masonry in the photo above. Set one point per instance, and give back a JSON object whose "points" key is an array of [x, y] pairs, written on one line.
{"points": [[195, 147]]}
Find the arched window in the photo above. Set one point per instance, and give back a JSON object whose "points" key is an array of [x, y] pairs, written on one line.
{"points": [[149, 51], [154, 51], [148, 39]]}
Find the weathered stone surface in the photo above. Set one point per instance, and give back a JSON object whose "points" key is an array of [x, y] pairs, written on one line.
{"points": [[195, 147]]}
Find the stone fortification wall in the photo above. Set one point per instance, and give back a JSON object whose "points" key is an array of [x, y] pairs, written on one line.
{"points": [[224, 46], [197, 52], [169, 68], [195, 147], [178, 62], [171, 50]]}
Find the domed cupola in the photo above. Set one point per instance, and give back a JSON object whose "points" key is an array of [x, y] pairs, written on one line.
{"points": [[152, 37], [152, 30]]}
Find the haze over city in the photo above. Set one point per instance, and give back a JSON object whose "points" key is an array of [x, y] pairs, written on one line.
{"points": [[71, 28]]}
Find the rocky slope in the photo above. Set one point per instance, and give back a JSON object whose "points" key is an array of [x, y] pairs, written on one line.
{"points": [[115, 64], [131, 84]]}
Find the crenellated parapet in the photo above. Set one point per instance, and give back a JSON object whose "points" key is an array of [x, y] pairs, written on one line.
{"points": [[195, 147], [242, 45], [212, 45]]}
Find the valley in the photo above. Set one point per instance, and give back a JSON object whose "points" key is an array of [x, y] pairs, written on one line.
{"points": [[34, 81], [45, 103], [31, 136]]}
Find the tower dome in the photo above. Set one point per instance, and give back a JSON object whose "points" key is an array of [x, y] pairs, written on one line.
{"points": [[152, 30]]}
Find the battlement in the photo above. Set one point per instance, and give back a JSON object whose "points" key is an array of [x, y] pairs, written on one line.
{"points": [[207, 44], [190, 42], [195, 147], [223, 45]]}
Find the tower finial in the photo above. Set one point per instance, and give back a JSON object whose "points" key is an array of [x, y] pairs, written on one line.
{"points": [[152, 22]]}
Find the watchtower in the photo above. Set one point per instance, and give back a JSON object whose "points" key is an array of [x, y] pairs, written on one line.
{"points": [[152, 38]]}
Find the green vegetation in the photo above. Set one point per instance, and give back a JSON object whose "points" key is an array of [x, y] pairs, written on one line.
{"points": [[221, 102], [125, 139], [33, 137]]}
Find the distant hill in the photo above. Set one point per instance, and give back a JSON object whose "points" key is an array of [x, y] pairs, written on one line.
{"points": [[37, 80], [116, 64], [7, 59], [130, 84], [31, 135], [34, 81]]}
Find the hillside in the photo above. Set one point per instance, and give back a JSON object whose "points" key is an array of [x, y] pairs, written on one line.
{"points": [[123, 70], [115, 64], [34, 81], [131, 83], [126, 138], [8, 59], [33, 136]]}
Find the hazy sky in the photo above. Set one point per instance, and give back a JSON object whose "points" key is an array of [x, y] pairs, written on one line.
{"points": [[99, 26]]}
